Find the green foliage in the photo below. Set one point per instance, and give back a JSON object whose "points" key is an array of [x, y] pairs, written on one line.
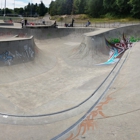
{"points": [[96, 8], [29, 10], [76, 6], [109, 15], [111, 6], [83, 16], [114, 40], [20, 11], [60, 19], [123, 7], [42, 9], [135, 11], [134, 39], [117, 40]]}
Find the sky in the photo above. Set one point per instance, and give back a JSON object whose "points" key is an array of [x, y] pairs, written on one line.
{"points": [[21, 3]]}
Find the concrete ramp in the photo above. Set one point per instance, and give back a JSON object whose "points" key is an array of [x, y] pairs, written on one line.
{"points": [[60, 89], [59, 71], [16, 50]]}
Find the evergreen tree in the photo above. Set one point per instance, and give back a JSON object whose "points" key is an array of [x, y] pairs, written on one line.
{"points": [[52, 8], [69, 7], [76, 6], [42, 9], [135, 8], [82, 6], [123, 7], [111, 7], [95, 8]]}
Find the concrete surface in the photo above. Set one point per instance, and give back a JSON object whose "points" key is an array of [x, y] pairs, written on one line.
{"points": [[117, 119], [16, 50], [53, 97], [59, 70]]}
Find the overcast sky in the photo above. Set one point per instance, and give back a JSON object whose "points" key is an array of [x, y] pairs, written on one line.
{"points": [[21, 3]]}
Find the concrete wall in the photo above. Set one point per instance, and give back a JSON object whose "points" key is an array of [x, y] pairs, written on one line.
{"points": [[93, 43], [16, 51]]}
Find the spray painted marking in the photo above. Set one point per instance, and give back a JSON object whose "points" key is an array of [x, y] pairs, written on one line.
{"points": [[116, 49], [29, 51], [6, 56], [89, 122]]}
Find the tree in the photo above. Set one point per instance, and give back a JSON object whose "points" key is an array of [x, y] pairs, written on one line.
{"points": [[135, 8], [52, 8], [42, 9], [110, 6], [82, 6], [19, 11], [76, 6], [123, 7], [69, 7], [95, 8], [9, 11]]}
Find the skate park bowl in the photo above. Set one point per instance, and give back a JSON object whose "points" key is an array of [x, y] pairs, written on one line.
{"points": [[50, 74]]}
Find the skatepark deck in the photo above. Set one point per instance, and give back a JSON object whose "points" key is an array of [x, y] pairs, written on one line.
{"points": [[55, 96]]}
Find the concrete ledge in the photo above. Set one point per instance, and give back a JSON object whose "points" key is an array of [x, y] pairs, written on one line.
{"points": [[16, 50], [40, 26], [6, 24]]}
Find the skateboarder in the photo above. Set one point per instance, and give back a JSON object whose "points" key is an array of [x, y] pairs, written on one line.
{"points": [[88, 23]]}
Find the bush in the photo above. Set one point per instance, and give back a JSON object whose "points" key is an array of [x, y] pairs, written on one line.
{"points": [[60, 19], [83, 16]]}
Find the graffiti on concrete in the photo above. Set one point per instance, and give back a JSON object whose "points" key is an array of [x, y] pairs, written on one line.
{"points": [[89, 123], [8, 57], [29, 51], [117, 47], [17, 54]]}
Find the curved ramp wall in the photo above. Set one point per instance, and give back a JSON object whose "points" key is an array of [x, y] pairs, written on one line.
{"points": [[97, 36], [16, 50], [92, 46], [94, 42]]}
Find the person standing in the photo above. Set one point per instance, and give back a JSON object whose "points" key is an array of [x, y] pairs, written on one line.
{"points": [[72, 22], [55, 24], [25, 22], [22, 23]]}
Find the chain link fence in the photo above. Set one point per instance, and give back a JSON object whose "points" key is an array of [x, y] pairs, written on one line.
{"points": [[101, 24], [41, 21]]}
